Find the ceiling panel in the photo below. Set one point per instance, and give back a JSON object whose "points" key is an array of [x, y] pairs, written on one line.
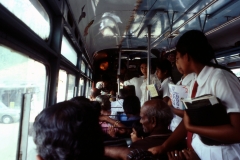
{"points": [[125, 22]]}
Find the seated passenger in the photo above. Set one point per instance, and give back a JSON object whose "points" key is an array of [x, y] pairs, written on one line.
{"points": [[131, 107], [105, 104], [94, 92], [164, 74], [155, 118], [137, 132], [68, 131]]}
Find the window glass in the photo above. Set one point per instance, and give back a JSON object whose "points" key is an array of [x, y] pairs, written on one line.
{"points": [[87, 89], [31, 13], [236, 72], [62, 86], [81, 87], [68, 52], [21, 75], [83, 67], [86, 71], [71, 85], [90, 75]]}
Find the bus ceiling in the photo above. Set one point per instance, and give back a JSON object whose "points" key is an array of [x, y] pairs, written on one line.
{"points": [[106, 24]]}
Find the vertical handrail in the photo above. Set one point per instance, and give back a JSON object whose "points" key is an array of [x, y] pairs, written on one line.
{"points": [[24, 127], [119, 68], [149, 59]]}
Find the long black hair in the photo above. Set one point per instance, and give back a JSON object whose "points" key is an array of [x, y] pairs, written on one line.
{"points": [[196, 45]]}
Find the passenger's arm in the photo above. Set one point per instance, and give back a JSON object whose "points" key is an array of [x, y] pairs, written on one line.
{"points": [[224, 133], [119, 153], [115, 123], [176, 137], [129, 82]]}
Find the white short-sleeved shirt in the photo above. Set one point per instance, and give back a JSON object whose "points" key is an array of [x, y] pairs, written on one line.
{"points": [[185, 81], [226, 87], [137, 82], [143, 87], [164, 91]]}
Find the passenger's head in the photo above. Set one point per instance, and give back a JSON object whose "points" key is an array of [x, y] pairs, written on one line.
{"points": [[137, 132], [94, 93], [104, 102], [192, 48], [131, 106], [68, 131], [164, 69], [172, 57], [123, 68], [155, 115], [143, 67]]}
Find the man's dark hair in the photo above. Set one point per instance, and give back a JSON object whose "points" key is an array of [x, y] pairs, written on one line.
{"points": [[131, 105], [161, 111], [67, 131]]}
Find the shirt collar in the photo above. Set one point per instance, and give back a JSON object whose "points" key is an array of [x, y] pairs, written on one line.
{"points": [[188, 78], [166, 80], [203, 75]]}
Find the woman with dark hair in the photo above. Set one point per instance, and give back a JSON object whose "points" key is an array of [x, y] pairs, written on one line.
{"points": [[153, 80], [194, 54], [68, 130], [164, 74]]}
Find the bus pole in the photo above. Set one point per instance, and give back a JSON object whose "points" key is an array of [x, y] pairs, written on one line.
{"points": [[118, 73], [149, 59]]}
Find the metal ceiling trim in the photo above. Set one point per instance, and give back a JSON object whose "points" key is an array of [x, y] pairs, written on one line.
{"points": [[180, 17], [222, 26], [138, 3], [148, 18], [222, 8], [190, 19]]}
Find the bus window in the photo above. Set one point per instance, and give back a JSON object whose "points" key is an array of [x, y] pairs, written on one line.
{"points": [[83, 66], [71, 85], [62, 86], [32, 14], [68, 52], [81, 87], [20, 75], [87, 89]]}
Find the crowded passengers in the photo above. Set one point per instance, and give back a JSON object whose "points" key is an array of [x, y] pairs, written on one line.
{"points": [[74, 129]]}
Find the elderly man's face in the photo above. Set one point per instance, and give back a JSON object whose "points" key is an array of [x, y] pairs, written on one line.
{"points": [[147, 126]]}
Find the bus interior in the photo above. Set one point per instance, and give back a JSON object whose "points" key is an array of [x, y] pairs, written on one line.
{"points": [[52, 51]]}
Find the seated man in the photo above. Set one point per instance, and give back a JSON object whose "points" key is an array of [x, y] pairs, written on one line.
{"points": [[68, 130], [156, 116]]}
